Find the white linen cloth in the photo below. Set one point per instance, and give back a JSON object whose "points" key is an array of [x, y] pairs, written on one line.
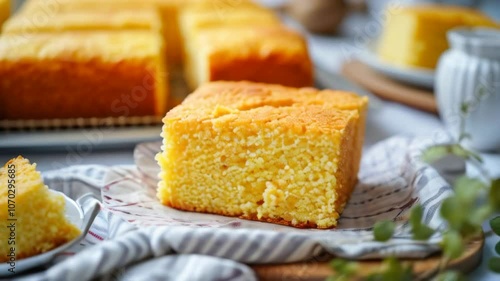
{"points": [[128, 242]]}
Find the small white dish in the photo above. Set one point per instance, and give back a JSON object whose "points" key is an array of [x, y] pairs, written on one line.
{"points": [[421, 77], [76, 215]]}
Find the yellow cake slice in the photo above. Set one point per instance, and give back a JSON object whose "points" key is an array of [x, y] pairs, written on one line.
{"points": [[268, 54], [68, 18], [34, 217], [416, 35], [4, 11], [82, 74], [262, 152]]}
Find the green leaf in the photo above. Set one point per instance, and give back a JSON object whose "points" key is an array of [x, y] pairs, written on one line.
{"points": [[480, 214], [423, 232], [494, 196], [495, 225], [434, 153], [419, 230], [497, 248], [338, 264], [395, 270], [453, 244], [494, 264], [343, 267], [416, 214], [374, 277], [450, 276], [467, 190], [464, 108], [453, 212], [469, 229], [383, 230]]}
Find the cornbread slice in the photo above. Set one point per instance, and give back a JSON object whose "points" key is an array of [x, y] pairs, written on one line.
{"points": [[34, 215], [268, 54], [262, 152], [416, 35], [82, 74], [90, 18], [196, 18], [4, 11]]}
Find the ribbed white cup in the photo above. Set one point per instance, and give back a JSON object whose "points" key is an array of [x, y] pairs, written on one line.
{"points": [[469, 74]]}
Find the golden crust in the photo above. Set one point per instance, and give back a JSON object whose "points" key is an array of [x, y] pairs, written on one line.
{"points": [[262, 152], [107, 74], [268, 54], [34, 20]]}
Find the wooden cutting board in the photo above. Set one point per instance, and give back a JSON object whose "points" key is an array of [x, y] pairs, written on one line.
{"points": [[388, 88], [319, 269]]}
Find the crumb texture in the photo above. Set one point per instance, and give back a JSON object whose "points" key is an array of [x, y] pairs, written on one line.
{"points": [[263, 152], [40, 223]]}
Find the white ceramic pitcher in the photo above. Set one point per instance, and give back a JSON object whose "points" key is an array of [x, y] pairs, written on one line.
{"points": [[468, 87]]}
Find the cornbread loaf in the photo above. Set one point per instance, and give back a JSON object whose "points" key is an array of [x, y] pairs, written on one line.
{"points": [[263, 152], [268, 54], [416, 35], [82, 74], [4, 11], [34, 216], [93, 18]]}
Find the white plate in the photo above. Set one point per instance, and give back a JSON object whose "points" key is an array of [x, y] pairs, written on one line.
{"points": [[422, 77], [75, 215]]}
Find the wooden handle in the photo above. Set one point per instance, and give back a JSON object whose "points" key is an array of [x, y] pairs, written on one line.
{"points": [[389, 89]]}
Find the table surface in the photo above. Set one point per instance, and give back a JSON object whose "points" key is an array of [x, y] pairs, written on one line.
{"points": [[387, 119]]}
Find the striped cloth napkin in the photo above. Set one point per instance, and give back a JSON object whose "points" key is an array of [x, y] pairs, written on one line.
{"points": [[135, 238]]}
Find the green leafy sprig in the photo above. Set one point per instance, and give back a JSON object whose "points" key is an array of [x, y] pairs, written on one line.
{"points": [[464, 212]]}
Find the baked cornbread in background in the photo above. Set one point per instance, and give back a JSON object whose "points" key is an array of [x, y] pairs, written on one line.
{"points": [[263, 51], [416, 35], [40, 223], [169, 10], [197, 18], [4, 11], [91, 19], [205, 15], [262, 152], [82, 74], [268, 54]]}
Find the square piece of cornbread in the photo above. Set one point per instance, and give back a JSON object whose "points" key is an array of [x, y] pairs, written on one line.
{"points": [[266, 54], [197, 18], [263, 152], [416, 35], [82, 75]]}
